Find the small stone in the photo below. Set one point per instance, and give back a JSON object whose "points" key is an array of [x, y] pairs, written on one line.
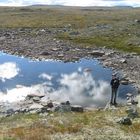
{"points": [[125, 121], [51, 115], [45, 53], [60, 55], [55, 49], [124, 82], [123, 61], [77, 108], [97, 53], [61, 122], [36, 99], [137, 21], [50, 105]]}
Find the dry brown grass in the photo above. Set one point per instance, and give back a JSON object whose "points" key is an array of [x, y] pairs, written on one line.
{"points": [[41, 128]]}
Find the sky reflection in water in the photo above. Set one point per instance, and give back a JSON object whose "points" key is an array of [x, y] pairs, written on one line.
{"points": [[59, 81]]}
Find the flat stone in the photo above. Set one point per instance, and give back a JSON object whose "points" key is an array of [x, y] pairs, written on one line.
{"points": [[45, 53], [55, 49], [60, 55], [96, 53]]}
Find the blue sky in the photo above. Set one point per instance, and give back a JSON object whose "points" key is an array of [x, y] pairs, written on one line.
{"points": [[134, 3]]}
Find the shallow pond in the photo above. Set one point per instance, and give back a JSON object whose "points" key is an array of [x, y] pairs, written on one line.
{"points": [[85, 82]]}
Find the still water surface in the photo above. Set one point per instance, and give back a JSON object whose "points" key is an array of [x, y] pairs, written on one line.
{"points": [[85, 82]]}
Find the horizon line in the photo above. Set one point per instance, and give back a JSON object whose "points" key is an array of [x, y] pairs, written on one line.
{"points": [[69, 6]]}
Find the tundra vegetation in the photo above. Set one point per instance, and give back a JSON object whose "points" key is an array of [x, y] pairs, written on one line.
{"points": [[117, 27], [95, 124]]}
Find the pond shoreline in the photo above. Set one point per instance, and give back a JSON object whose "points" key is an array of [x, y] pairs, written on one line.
{"points": [[41, 44]]}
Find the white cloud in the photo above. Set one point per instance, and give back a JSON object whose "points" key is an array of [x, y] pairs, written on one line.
{"points": [[12, 3], [45, 76], [135, 3], [15, 94], [20, 92], [82, 89], [8, 70]]}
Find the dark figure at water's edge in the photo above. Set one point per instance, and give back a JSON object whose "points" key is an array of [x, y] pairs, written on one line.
{"points": [[115, 82]]}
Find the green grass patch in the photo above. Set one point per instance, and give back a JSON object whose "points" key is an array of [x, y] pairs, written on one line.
{"points": [[117, 42]]}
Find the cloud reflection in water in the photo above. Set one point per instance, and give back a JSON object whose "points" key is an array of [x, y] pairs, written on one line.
{"points": [[77, 87], [8, 70]]}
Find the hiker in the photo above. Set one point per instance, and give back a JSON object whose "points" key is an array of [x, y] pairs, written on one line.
{"points": [[115, 82]]}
